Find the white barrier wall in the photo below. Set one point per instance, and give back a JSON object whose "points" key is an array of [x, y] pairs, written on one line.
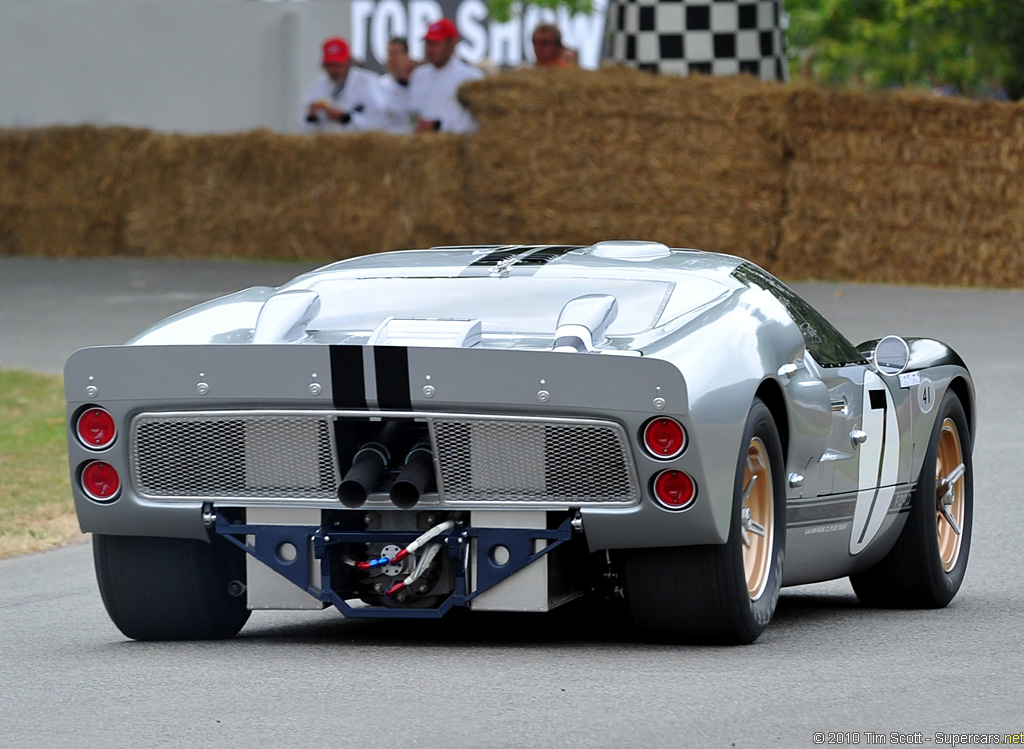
{"points": [[196, 66], [171, 65]]}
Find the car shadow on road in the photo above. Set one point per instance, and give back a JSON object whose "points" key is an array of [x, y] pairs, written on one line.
{"points": [[575, 622], [581, 623]]}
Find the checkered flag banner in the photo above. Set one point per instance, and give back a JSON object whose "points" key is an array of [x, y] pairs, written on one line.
{"points": [[715, 37]]}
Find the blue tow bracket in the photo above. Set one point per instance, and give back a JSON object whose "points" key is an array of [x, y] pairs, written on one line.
{"points": [[269, 540]]}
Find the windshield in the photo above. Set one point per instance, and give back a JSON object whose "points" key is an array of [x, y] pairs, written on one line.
{"points": [[827, 345]]}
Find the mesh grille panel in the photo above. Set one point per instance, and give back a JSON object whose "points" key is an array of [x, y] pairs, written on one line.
{"points": [[482, 460], [209, 455], [533, 462]]}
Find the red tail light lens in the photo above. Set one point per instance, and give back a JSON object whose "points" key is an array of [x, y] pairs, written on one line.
{"points": [[96, 428], [100, 481], [674, 489], [664, 438]]}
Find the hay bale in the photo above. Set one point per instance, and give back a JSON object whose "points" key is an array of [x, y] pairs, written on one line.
{"points": [[61, 191], [809, 183], [902, 188], [260, 194], [583, 156]]}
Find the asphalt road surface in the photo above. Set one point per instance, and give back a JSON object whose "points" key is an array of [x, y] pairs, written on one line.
{"points": [[571, 678]]}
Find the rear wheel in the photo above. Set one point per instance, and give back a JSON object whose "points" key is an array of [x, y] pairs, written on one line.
{"points": [[721, 593], [171, 588], [926, 566]]}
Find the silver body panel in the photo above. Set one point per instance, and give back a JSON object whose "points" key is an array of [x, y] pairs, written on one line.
{"points": [[689, 336]]}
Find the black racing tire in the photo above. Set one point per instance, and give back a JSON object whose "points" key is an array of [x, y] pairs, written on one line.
{"points": [[709, 593], [171, 588], [926, 566]]}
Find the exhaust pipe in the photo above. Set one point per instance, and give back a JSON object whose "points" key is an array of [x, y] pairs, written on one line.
{"points": [[368, 465], [367, 468], [414, 478]]}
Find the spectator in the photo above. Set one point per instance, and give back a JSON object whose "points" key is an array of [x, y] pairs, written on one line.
{"points": [[996, 90], [941, 87], [394, 86], [548, 48], [343, 98], [433, 88]]}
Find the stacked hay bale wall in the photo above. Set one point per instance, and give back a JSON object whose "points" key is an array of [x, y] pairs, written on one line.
{"points": [[291, 197], [62, 190], [808, 183], [898, 188], [87, 191], [573, 157]]}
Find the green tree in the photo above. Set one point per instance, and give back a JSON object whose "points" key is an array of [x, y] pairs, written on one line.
{"points": [[503, 10], [970, 44]]}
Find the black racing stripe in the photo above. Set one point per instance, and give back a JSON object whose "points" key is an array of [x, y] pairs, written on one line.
{"points": [[348, 385], [392, 365], [494, 258], [483, 266], [545, 255], [517, 260]]}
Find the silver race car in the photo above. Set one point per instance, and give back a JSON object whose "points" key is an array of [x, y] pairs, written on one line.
{"points": [[508, 428]]}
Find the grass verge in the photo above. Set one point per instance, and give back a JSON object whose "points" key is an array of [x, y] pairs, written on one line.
{"points": [[36, 510]]}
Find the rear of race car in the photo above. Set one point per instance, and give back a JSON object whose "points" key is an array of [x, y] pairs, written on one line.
{"points": [[387, 481]]}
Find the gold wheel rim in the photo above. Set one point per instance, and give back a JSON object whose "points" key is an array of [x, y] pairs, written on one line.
{"points": [[949, 490], [757, 518]]}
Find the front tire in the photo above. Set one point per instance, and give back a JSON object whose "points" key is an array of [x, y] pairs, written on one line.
{"points": [[721, 593], [171, 588], [926, 566]]}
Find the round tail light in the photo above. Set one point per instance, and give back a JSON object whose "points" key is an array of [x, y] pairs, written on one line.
{"points": [[674, 489], [96, 428], [100, 481], [664, 438]]}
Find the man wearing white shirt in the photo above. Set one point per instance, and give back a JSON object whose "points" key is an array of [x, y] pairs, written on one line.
{"points": [[343, 98], [394, 85], [433, 87]]}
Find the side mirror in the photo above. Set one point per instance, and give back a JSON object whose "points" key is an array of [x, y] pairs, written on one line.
{"points": [[891, 356]]}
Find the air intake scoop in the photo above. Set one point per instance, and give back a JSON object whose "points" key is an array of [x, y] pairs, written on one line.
{"points": [[583, 322], [284, 317], [435, 332]]}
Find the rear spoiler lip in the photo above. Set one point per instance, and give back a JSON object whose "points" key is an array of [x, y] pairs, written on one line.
{"points": [[383, 378]]}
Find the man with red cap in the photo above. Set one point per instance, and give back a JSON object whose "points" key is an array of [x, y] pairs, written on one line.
{"points": [[344, 98], [434, 87]]}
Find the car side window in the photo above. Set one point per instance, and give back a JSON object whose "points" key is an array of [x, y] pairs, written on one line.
{"points": [[828, 346]]}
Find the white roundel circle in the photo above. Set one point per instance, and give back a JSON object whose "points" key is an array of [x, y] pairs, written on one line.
{"points": [[926, 395]]}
